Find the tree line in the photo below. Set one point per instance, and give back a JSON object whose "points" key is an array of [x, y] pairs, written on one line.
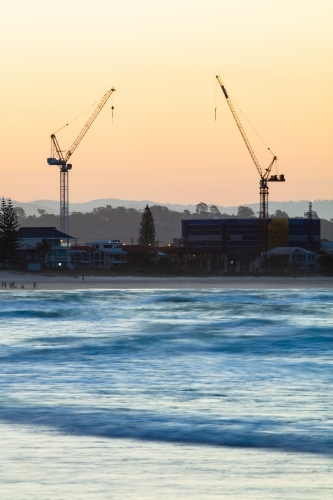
{"points": [[123, 223]]}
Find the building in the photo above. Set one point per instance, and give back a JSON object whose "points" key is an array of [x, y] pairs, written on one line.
{"points": [[304, 233], [58, 255], [233, 245], [290, 257], [204, 258], [80, 256], [141, 255], [239, 238], [327, 244], [106, 254], [29, 258]]}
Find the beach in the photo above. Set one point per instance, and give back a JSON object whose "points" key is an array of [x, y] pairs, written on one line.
{"points": [[45, 281]]}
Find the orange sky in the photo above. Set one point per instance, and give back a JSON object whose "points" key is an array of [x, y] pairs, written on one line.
{"points": [[276, 60]]}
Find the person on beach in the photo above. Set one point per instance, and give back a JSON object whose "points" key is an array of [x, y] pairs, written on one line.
{"points": [[34, 284]]}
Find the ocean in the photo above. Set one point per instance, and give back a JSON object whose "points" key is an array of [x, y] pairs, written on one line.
{"points": [[164, 394]]}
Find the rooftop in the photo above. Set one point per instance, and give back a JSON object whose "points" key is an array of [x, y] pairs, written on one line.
{"points": [[288, 251], [43, 232], [103, 242]]}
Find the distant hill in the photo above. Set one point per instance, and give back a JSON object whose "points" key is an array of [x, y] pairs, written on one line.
{"points": [[113, 223], [324, 208]]}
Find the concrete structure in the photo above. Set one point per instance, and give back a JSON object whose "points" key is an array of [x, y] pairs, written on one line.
{"points": [[58, 256]]}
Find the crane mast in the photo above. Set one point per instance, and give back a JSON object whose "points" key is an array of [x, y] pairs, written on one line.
{"points": [[264, 176], [61, 160]]}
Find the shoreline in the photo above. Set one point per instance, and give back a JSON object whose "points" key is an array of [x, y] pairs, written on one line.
{"points": [[56, 282]]}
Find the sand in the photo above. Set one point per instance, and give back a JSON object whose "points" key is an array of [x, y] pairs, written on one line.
{"points": [[46, 281]]}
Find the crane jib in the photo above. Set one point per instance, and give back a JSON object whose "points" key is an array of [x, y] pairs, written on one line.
{"points": [[264, 177]]}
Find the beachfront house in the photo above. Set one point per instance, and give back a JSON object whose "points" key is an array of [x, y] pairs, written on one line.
{"points": [[290, 257], [106, 254], [58, 254]]}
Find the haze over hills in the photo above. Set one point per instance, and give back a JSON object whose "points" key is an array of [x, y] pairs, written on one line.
{"points": [[324, 208]]}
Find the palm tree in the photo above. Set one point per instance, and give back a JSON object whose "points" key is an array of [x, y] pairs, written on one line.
{"points": [[43, 248]]}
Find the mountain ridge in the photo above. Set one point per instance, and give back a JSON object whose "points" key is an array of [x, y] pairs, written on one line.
{"points": [[324, 208]]}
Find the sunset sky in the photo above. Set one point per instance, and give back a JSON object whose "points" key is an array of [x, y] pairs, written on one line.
{"points": [[274, 56]]}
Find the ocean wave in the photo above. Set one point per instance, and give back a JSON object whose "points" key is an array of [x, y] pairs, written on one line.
{"points": [[246, 338], [188, 356], [260, 433], [263, 307], [31, 313]]}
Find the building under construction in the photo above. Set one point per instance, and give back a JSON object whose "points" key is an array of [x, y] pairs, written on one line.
{"points": [[240, 238]]}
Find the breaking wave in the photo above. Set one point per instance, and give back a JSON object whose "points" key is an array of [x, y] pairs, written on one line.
{"points": [[217, 368]]}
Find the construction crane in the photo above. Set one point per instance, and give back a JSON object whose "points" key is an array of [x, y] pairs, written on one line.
{"points": [[265, 176], [60, 158]]}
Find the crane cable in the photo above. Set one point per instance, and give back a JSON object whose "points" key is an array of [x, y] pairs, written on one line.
{"points": [[78, 116], [269, 149], [215, 97], [248, 121], [112, 107], [262, 140]]}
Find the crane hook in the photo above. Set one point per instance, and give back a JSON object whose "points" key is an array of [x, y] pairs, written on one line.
{"points": [[112, 108]]}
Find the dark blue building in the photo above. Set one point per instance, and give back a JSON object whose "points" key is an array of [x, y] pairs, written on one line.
{"points": [[241, 237]]}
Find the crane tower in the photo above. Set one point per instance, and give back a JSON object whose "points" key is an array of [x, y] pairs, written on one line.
{"points": [[265, 176], [60, 158]]}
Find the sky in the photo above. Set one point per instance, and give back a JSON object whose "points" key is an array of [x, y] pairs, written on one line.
{"points": [[274, 56]]}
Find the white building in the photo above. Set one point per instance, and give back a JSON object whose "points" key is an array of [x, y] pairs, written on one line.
{"points": [[107, 254], [293, 256]]}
